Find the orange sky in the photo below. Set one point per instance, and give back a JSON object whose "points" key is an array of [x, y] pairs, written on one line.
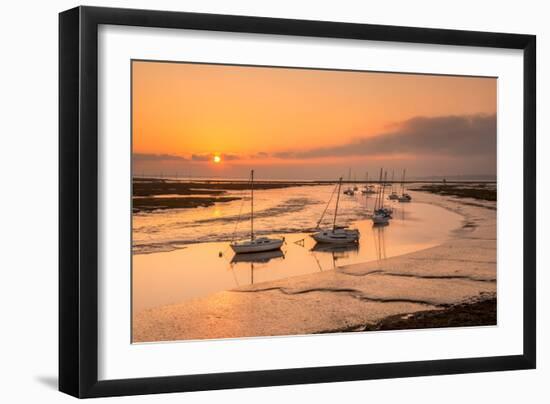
{"points": [[281, 118]]}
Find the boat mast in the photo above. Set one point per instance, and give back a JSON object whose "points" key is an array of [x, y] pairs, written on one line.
{"points": [[376, 200], [392, 173], [383, 189], [337, 200], [378, 194], [252, 205], [403, 183]]}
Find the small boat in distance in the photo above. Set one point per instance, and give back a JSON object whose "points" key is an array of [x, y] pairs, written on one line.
{"points": [[404, 196], [393, 196], [381, 214], [338, 234], [368, 188], [255, 244], [349, 190]]}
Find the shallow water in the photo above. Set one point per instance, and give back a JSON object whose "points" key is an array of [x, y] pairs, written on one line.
{"points": [[283, 210], [200, 269]]}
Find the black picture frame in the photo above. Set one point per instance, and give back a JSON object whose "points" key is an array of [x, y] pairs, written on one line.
{"points": [[78, 201]]}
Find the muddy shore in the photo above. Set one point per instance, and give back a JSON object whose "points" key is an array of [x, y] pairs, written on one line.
{"points": [[452, 284], [157, 194]]}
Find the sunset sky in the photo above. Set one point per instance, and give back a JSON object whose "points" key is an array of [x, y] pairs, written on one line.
{"points": [[215, 120]]}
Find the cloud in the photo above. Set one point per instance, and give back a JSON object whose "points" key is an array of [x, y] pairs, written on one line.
{"points": [[230, 157], [210, 156], [259, 155], [201, 157], [458, 136], [157, 157], [288, 154]]}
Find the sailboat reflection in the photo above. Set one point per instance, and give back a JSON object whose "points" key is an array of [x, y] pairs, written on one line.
{"points": [[336, 252], [255, 258], [402, 213], [379, 238]]}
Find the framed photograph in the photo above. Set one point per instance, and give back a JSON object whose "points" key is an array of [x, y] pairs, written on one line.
{"points": [[250, 201]]}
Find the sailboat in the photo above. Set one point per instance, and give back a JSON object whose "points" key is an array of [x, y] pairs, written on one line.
{"points": [[255, 244], [393, 195], [349, 190], [368, 188], [381, 215], [404, 196], [355, 188], [336, 235]]}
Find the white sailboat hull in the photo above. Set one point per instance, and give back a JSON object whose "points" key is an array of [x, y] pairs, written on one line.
{"points": [[380, 219], [338, 236], [404, 198], [257, 245]]}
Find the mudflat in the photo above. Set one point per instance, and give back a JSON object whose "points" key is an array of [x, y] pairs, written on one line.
{"points": [[430, 286]]}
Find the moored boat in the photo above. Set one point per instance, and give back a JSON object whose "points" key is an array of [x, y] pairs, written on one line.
{"points": [[381, 214], [380, 218], [405, 197], [336, 234], [368, 188], [350, 191], [255, 244], [393, 195]]}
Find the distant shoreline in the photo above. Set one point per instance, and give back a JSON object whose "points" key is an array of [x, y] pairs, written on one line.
{"points": [[158, 194], [259, 182]]}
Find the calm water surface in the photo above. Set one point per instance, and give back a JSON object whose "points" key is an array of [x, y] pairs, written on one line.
{"points": [[183, 254]]}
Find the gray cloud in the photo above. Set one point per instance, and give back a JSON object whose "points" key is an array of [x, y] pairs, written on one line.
{"points": [[208, 157], [200, 157], [259, 155], [230, 157], [157, 157], [446, 135]]}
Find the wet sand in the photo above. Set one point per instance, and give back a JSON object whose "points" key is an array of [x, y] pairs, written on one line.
{"points": [[458, 273], [487, 192], [151, 204], [158, 194]]}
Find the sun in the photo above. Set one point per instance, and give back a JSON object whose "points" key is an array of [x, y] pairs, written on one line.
{"points": [[217, 159]]}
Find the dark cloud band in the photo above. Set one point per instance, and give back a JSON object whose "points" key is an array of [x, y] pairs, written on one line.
{"points": [[445, 135], [157, 157]]}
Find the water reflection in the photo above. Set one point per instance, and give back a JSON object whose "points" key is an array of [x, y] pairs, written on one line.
{"points": [[379, 241], [336, 252], [201, 269], [254, 259]]}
